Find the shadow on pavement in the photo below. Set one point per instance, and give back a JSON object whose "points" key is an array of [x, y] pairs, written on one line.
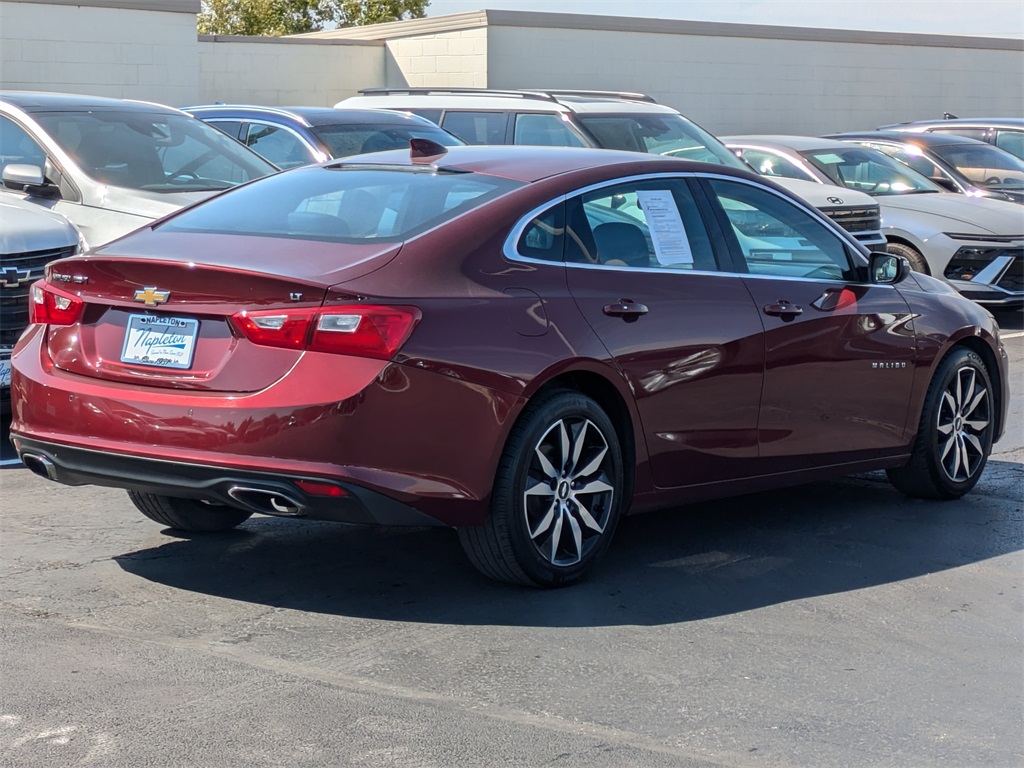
{"points": [[686, 564]]}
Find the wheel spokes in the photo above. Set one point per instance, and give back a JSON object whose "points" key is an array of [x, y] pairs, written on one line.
{"points": [[569, 463]]}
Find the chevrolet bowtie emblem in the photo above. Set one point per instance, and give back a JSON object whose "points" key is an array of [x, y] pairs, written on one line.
{"points": [[152, 296]]}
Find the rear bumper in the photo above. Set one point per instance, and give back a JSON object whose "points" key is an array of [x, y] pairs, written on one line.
{"points": [[253, 491]]}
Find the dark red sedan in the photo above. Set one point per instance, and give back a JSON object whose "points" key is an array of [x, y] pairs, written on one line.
{"points": [[523, 343]]}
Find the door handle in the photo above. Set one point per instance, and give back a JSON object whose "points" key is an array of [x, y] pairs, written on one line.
{"points": [[626, 309], [783, 309]]}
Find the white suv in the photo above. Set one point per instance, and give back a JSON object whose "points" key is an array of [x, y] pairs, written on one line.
{"points": [[603, 119]]}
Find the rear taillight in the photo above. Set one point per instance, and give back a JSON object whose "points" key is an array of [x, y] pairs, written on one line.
{"points": [[364, 330], [50, 305]]}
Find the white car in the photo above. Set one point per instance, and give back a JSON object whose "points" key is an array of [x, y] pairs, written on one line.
{"points": [[604, 119], [977, 245], [30, 238], [110, 165]]}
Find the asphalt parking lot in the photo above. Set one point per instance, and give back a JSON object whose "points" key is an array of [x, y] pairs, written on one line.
{"points": [[835, 624]]}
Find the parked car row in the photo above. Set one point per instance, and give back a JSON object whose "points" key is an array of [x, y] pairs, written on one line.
{"points": [[524, 343]]}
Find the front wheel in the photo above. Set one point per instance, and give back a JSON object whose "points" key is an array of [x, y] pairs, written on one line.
{"points": [[916, 259], [187, 514], [954, 438], [557, 497]]}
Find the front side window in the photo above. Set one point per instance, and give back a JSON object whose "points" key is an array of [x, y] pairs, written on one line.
{"points": [[868, 170], [345, 204], [279, 145], [156, 152], [777, 238], [645, 224], [477, 127], [545, 130], [17, 147], [768, 163], [667, 134]]}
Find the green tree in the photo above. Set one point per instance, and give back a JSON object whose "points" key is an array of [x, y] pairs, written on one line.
{"points": [[291, 17]]}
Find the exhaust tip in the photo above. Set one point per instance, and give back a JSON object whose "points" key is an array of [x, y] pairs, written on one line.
{"points": [[266, 501], [39, 465]]}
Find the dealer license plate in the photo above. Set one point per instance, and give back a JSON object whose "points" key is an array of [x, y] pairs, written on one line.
{"points": [[163, 342]]}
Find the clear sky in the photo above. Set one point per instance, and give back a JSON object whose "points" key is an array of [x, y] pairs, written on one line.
{"points": [[995, 18]]}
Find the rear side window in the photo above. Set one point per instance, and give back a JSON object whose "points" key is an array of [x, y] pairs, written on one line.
{"points": [[348, 204], [544, 235], [477, 127], [1011, 141], [544, 130], [646, 224], [279, 145]]}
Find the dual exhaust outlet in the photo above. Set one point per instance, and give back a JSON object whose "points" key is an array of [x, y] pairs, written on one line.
{"points": [[265, 501]]}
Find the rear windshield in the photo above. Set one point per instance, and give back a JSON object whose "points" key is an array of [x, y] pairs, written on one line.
{"points": [[350, 204], [346, 140]]}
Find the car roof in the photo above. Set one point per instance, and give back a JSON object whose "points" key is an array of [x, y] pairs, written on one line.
{"points": [[905, 137], [533, 163], [797, 143], [510, 102], [310, 116], [964, 122], [39, 101]]}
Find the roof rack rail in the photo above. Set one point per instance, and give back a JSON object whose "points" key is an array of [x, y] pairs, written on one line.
{"points": [[543, 95]]}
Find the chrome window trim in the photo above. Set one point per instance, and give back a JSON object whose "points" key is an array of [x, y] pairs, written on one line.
{"points": [[248, 107], [509, 247]]}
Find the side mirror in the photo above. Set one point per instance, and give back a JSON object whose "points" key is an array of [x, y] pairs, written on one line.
{"points": [[28, 178], [947, 184], [888, 269]]}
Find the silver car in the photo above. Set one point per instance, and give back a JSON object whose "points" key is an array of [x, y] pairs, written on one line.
{"points": [[110, 165], [29, 239], [977, 245]]}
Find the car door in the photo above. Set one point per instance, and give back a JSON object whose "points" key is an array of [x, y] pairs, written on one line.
{"points": [[839, 351], [644, 272]]}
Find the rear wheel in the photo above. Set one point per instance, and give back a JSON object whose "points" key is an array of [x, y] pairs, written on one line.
{"points": [[557, 497], [954, 438], [917, 261], [188, 514]]}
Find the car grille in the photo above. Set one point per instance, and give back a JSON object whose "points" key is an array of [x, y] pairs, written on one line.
{"points": [[854, 219], [968, 262], [17, 273]]}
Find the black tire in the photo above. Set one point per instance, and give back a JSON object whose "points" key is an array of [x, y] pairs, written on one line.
{"points": [[558, 495], [188, 514], [954, 437], [917, 261]]}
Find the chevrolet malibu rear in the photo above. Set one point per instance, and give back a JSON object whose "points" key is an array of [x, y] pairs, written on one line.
{"points": [[240, 376]]}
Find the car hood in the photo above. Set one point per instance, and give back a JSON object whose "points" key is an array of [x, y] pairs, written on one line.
{"points": [[152, 205], [823, 195], [27, 227], [966, 214]]}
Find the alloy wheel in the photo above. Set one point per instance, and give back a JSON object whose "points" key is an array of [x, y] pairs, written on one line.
{"points": [[963, 419], [569, 491]]}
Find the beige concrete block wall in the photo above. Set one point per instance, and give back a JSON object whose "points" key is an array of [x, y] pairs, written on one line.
{"points": [[125, 53], [286, 71], [456, 59], [739, 85]]}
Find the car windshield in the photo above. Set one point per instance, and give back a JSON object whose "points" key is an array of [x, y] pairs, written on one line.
{"points": [[668, 134], [984, 165], [347, 140], [868, 170], [343, 203], [155, 152]]}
